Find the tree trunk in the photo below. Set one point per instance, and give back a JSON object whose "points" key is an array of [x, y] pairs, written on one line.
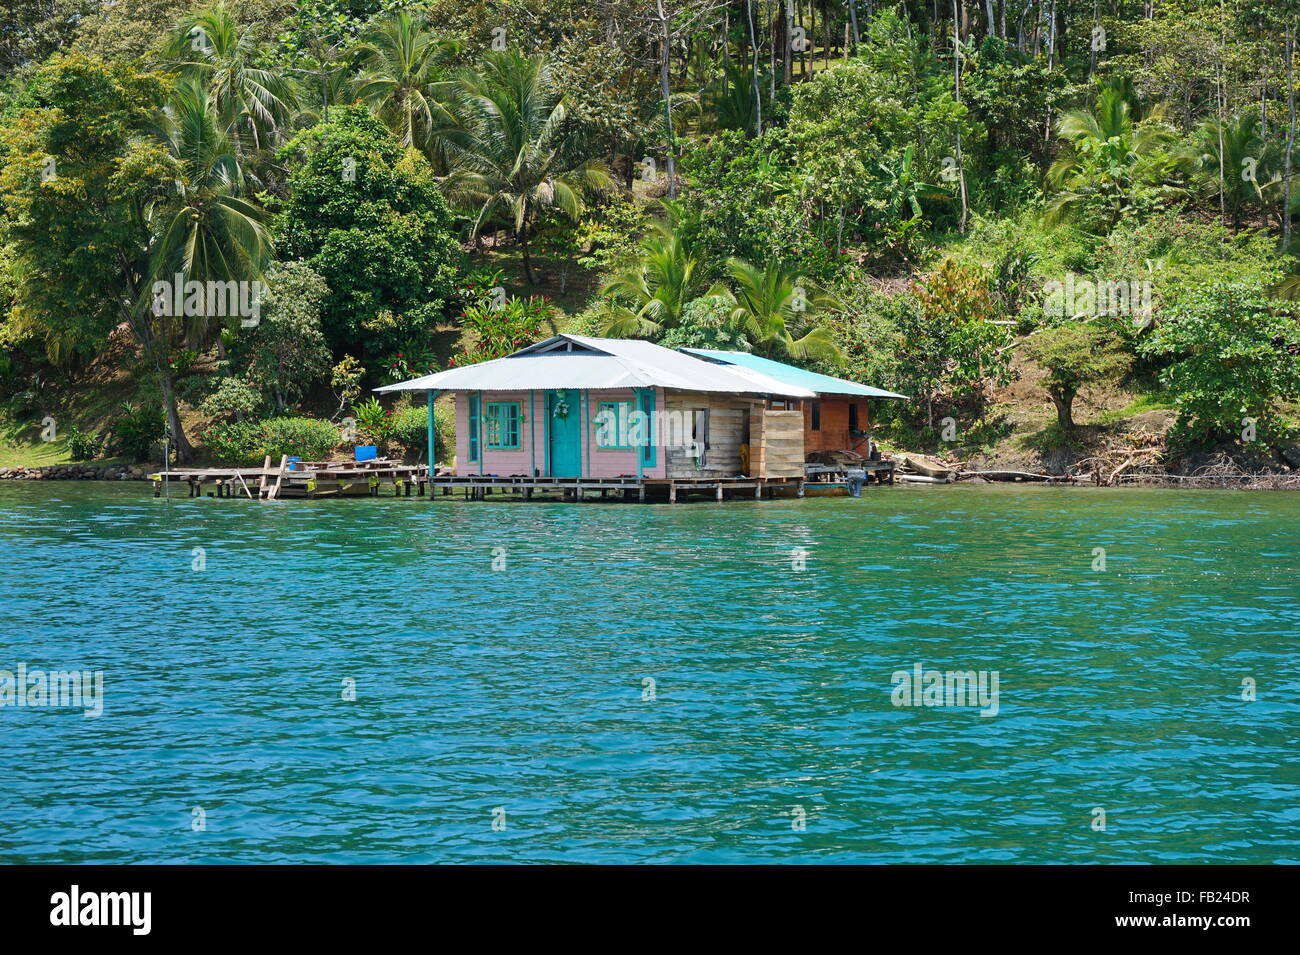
{"points": [[666, 91], [785, 43], [184, 450], [1064, 402], [142, 329], [1290, 137], [758, 95], [956, 81], [523, 247]]}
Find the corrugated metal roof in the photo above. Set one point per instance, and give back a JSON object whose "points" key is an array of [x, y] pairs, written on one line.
{"points": [[601, 363], [790, 375]]}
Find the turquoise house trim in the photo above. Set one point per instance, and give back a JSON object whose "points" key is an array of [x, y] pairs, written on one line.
{"points": [[432, 449], [790, 375]]}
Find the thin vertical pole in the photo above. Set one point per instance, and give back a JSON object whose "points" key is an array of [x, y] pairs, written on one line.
{"points": [[532, 434], [430, 446]]}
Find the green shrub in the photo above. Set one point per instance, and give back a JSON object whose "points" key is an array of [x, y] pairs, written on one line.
{"points": [[1232, 354], [83, 446], [233, 442], [374, 421], [308, 438], [411, 430], [248, 442], [138, 431], [232, 399]]}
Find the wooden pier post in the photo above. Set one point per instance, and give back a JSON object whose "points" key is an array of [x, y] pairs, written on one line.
{"points": [[672, 493], [261, 483]]}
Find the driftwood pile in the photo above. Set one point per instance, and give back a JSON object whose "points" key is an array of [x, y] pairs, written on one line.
{"points": [[1221, 473], [1108, 467], [1139, 461]]}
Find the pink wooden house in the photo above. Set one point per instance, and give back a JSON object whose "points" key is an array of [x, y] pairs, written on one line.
{"points": [[601, 408]]}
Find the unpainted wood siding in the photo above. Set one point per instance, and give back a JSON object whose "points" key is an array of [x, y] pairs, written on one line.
{"points": [[777, 443], [728, 424]]}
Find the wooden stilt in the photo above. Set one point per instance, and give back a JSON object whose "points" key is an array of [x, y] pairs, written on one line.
{"points": [[261, 483]]}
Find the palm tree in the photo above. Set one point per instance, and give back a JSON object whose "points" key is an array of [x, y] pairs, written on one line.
{"points": [[648, 298], [1109, 154], [405, 80], [324, 79], [513, 158], [730, 101], [204, 228], [254, 103], [1224, 159], [775, 307]]}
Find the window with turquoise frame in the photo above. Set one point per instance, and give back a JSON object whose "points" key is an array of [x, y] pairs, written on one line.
{"points": [[503, 419], [475, 403], [613, 420], [645, 403]]}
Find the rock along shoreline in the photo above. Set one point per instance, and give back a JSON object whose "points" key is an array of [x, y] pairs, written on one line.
{"points": [[77, 472]]}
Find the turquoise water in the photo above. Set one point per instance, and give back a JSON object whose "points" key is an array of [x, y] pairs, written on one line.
{"points": [[521, 691]]}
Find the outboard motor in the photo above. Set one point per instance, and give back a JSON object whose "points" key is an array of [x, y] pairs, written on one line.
{"points": [[856, 478]]}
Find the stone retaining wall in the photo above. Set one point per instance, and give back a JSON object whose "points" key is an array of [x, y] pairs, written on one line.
{"points": [[77, 472]]}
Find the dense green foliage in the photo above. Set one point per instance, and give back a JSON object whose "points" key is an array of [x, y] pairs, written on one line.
{"points": [[368, 217], [1104, 192]]}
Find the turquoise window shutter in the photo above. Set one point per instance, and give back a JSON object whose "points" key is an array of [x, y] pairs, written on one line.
{"points": [[474, 404], [645, 403]]}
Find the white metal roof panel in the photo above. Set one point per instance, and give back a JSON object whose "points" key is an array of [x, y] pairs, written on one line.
{"points": [[601, 363]]}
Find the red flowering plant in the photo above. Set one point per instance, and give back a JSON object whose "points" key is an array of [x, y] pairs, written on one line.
{"points": [[495, 330], [481, 286], [412, 360], [374, 422]]}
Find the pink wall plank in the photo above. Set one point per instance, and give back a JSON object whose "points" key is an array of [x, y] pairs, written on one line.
{"points": [[597, 462]]}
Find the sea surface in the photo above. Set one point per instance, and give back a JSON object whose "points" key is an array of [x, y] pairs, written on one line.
{"points": [[383, 680]]}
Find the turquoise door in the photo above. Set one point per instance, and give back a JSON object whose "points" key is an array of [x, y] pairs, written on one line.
{"points": [[563, 434]]}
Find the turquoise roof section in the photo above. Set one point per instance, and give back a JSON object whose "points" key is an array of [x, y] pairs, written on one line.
{"points": [[790, 375]]}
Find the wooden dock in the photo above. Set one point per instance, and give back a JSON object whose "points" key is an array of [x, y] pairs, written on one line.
{"points": [[479, 487], [301, 479], [313, 479]]}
